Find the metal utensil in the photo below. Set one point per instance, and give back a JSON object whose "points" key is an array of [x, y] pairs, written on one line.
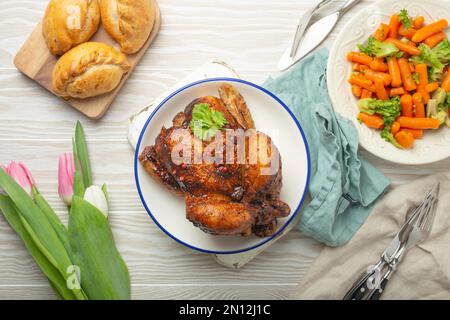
{"points": [[303, 24], [314, 36], [371, 284]]}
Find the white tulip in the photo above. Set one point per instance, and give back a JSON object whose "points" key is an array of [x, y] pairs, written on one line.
{"points": [[95, 196]]}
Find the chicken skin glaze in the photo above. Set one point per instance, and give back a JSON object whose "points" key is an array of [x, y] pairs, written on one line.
{"points": [[239, 197]]}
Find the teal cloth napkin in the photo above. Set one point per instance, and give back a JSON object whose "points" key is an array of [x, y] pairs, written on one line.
{"points": [[343, 186]]}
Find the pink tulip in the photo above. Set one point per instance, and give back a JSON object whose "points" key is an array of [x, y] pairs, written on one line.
{"points": [[66, 171], [21, 175]]}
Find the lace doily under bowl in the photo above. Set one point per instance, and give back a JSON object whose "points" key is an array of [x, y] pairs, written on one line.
{"points": [[435, 145]]}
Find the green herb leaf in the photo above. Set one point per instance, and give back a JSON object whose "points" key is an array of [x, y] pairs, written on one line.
{"points": [[206, 122], [104, 274], [405, 19], [82, 154]]}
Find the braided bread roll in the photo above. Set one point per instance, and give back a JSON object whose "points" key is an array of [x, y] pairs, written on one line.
{"points": [[88, 70]]}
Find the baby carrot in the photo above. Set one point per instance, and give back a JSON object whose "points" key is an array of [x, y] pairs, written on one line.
{"points": [[359, 57], [372, 121], [380, 90], [407, 33], [412, 67], [446, 83], [382, 32], [378, 65], [431, 87], [422, 71], [429, 30], [393, 26], [356, 67], [418, 123], [417, 133], [418, 22], [407, 78], [407, 47], [362, 82], [434, 40], [395, 128], [365, 94], [394, 71], [419, 105], [356, 90], [405, 139], [397, 91], [372, 75], [406, 103]]}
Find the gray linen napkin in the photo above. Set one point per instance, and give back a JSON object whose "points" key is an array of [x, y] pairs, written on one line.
{"points": [[425, 270]]}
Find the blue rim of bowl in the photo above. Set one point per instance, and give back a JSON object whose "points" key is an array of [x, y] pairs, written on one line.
{"points": [[144, 129]]}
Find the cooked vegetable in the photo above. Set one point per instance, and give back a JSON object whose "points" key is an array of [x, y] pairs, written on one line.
{"points": [[381, 90], [385, 108], [419, 105], [407, 78], [375, 48], [406, 103], [394, 71], [394, 24], [434, 40], [371, 120], [401, 71], [359, 57], [406, 47], [418, 123], [382, 33], [405, 139], [429, 30], [356, 90], [419, 22], [362, 82], [417, 133]]}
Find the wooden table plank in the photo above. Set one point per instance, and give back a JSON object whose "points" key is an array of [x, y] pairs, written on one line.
{"points": [[36, 127]]}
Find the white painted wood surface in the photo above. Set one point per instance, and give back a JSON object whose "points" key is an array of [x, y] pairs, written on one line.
{"points": [[36, 128]]}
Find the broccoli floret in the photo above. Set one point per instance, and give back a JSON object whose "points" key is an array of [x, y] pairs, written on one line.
{"points": [[435, 75], [428, 56], [378, 49], [386, 133], [442, 51], [385, 108]]}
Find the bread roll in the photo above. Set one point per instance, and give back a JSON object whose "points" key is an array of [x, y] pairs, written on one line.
{"points": [[129, 22], [68, 23], [88, 70]]}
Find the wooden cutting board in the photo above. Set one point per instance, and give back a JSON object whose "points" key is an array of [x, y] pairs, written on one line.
{"points": [[35, 60]]}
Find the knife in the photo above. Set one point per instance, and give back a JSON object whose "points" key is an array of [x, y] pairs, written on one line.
{"points": [[303, 24], [314, 36]]}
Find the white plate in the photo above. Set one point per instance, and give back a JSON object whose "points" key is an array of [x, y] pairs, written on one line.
{"points": [[272, 117], [435, 145]]}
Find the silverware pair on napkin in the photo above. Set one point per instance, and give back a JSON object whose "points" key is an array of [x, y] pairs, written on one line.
{"points": [[371, 284], [310, 34]]}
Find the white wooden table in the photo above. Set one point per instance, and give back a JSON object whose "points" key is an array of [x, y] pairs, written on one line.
{"points": [[36, 128]]}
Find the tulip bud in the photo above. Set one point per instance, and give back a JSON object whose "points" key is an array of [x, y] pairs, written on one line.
{"points": [[21, 175], [95, 196], [66, 172]]}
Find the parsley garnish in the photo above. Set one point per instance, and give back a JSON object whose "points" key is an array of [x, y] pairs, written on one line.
{"points": [[404, 19], [205, 121]]}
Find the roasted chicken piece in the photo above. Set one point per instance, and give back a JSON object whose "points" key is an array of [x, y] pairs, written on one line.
{"points": [[237, 197]]}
